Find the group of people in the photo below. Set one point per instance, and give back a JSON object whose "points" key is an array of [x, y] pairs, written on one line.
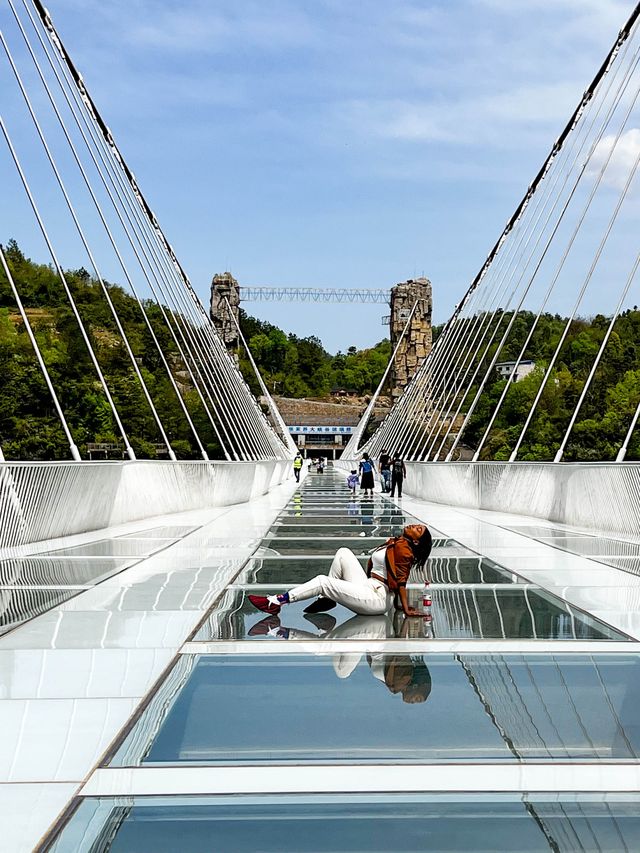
{"points": [[390, 467], [392, 473], [298, 461]]}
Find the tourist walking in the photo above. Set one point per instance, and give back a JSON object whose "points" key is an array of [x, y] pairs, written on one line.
{"points": [[385, 471], [353, 481], [297, 467], [366, 472], [382, 586], [398, 473]]}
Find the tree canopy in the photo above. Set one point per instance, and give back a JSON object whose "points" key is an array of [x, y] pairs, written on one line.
{"points": [[291, 366], [300, 367], [609, 405], [29, 425]]}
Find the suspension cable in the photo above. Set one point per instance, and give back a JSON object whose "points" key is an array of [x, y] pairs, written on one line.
{"points": [[67, 290]]}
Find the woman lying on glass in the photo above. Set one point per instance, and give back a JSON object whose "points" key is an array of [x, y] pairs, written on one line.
{"points": [[367, 592]]}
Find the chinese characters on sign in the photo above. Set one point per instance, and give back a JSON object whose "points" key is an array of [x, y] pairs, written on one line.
{"points": [[331, 430]]}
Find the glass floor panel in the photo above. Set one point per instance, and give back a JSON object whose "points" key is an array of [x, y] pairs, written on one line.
{"points": [[346, 518], [286, 570], [324, 546], [54, 571], [343, 511], [18, 605], [111, 548], [516, 612], [399, 823], [336, 496], [236, 618], [356, 527], [447, 570], [321, 545], [372, 708], [456, 613], [346, 501], [335, 488], [351, 527]]}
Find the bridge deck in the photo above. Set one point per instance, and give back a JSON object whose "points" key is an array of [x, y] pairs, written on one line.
{"points": [[524, 681]]}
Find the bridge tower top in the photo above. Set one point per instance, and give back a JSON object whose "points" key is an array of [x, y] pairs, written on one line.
{"points": [[415, 345], [225, 287]]}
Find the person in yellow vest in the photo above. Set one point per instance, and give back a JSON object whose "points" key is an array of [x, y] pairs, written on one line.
{"points": [[297, 467]]}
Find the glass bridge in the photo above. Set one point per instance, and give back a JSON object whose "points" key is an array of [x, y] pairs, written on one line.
{"points": [[147, 706]]}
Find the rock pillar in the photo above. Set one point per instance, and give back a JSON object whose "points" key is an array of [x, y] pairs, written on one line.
{"points": [[224, 288], [416, 344]]}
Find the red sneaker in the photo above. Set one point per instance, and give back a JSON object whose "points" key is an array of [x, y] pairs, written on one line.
{"points": [[261, 602]]}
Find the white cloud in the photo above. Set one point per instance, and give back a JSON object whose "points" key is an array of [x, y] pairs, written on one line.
{"points": [[624, 157], [499, 120]]}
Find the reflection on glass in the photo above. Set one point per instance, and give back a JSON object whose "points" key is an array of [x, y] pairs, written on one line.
{"points": [[313, 708], [441, 570], [325, 626], [471, 569], [111, 548], [17, 605], [63, 571], [518, 611], [399, 823], [341, 511], [321, 545], [347, 517], [514, 611], [286, 570], [355, 527]]}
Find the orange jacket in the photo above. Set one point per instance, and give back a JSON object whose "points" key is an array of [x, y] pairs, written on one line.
{"points": [[399, 559]]}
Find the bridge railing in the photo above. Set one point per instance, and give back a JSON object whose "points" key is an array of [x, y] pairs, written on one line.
{"points": [[47, 500], [600, 496]]}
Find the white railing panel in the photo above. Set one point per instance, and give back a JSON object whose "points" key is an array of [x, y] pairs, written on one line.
{"points": [[601, 496], [46, 500]]}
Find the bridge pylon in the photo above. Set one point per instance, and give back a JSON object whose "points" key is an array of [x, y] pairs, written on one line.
{"points": [[225, 305]]}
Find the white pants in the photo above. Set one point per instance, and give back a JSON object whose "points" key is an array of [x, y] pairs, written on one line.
{"points": [[348, 584]]}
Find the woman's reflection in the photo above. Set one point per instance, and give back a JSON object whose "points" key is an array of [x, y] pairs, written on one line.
{"points": [[405, 674]]}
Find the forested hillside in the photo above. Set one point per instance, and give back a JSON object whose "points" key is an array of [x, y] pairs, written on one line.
{"points": [[29, 426], [301, 367], [609, 405], [291, 366]]}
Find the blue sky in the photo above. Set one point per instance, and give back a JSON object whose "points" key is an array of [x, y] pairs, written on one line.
{"points": [[326, 143]]}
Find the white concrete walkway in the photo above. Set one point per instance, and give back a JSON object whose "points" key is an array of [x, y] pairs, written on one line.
{"points": [[72, 677]]}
